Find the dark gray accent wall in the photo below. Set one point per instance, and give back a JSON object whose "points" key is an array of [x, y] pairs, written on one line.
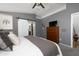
{"points": [[15, 20], [64, 21], [39, 28]]}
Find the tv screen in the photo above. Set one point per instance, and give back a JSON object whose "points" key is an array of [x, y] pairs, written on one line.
{"points": [[53, 23]]}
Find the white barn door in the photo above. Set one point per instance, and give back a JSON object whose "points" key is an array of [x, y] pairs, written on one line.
{"points": [[23, 27]]}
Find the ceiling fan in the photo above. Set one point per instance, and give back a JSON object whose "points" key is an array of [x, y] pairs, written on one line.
{"points": [[38, 4]]}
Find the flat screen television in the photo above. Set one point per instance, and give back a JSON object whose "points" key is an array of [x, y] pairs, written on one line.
{"points": [[53, 23]]}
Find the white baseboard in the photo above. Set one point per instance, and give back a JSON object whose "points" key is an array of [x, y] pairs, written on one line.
{"points": [[65, 45]]}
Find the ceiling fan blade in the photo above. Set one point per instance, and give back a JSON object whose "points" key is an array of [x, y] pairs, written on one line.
{"points": [[42, 5], [34, 5]]}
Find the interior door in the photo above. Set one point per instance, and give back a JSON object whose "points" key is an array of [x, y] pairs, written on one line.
{"points": [[23, 27]]}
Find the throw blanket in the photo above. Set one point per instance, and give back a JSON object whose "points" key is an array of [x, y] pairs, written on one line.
{"points": [[47, 47]]}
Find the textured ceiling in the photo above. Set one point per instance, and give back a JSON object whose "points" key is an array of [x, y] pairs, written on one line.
{"points": [[50, 8]]}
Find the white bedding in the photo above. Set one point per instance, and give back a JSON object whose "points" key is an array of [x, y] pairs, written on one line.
{"points": [[26, 48]]}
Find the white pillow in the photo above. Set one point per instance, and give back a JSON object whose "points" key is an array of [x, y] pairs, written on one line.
{"points": [[14, 39]]}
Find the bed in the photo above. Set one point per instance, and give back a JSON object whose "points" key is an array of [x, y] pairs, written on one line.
{"points": [[33, 46], [12, 45]]}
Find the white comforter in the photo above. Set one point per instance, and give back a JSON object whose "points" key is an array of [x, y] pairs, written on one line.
{"points": [[26, 48]]}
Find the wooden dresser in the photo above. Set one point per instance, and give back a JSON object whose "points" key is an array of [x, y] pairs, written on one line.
{"points": [[53, 34]]}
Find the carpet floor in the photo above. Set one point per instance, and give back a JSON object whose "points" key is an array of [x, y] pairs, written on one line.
{"points": [[67, 51]]}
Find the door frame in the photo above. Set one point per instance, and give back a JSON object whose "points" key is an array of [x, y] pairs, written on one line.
{"points": [[71, 30], [72, 27]]}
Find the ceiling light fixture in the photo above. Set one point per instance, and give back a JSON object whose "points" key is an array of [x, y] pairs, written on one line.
{"points": [[38, 4]]}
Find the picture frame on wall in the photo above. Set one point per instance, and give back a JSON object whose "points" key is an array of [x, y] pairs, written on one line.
{"points": [[6, 22]]}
